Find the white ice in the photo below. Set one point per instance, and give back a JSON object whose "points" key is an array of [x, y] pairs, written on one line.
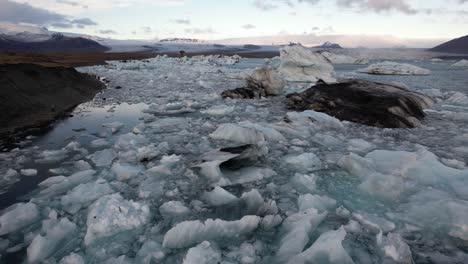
{"points": [[299, 64], [112, 214], [189, 233], [393, 68]]}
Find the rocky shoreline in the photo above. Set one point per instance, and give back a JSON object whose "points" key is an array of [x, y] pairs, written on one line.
{"points": [[33, 96]]}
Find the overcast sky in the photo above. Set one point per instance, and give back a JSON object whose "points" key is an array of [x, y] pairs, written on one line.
{"points": [[220, 19]]}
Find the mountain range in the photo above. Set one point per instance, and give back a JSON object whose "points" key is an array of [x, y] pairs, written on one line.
{"points": [[27, 42], [459, 45]]}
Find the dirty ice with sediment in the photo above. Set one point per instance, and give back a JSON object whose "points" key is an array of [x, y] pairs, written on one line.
{"points": [[164, 170]]}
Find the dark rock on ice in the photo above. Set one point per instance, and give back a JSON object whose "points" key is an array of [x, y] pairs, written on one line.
{"points": [[261, 83], [364, 102]]}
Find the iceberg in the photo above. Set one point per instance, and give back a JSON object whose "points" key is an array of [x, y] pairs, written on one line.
{"points": [[304, 163], [461, 63], [28, 172], [84, 194], [343, 59], [203, 253], [173, 209], [393, 68], [326, 249], [297, 229], [112, 214], [73, 258], [299, 64], [17, 217], [125, 172], [57, 234], [218, 197], [103, 158], [189, 233], [238, 134]]}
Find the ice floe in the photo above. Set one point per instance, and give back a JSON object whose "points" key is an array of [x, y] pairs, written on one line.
{"points": [[189, 233], [299, 64], [393, 68]]}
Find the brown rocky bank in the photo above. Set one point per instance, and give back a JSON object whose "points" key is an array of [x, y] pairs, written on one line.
{"points": [[34, 96]]}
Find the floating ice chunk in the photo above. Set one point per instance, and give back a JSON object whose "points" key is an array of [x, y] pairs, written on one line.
{"points": [[189, 233], [321, 203], [82, 165], [114, 127], [343, 59], [150, 252], [299, 64], [73, 258], [296, 230], [173, 209], [124, 172], [99, 143], [219, 110], [458, 98], [268, 80], [394, 247], [270, 133], [170, 161], [68, 183], [304, 163], [393, 68], [374, 223], [52, 156], [271, 221], [28, 172], [249, 174], [130, 141], [17, 217], [209, 164], [51, 181], [56, 235], [360, 146], [120, 260], [59, 171], [235, 133], [151, 187], [84, 194], [161, 170], [255, 205], [304, 183], [462, 63], [445, 215], [204, 253], [148, 153], [326, 249], [317, 119], [111, 214], [218, 196], [103, 158]]}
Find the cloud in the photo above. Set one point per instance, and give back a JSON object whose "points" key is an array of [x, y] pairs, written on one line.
{"points": [[24, 13], [265, 5], [379, 5], [200, 31], [181, 21], [147, 30], [248, 26], [106, 32], [84, 22]]}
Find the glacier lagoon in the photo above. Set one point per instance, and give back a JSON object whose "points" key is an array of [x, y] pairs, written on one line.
{"points": [[123, 181]]}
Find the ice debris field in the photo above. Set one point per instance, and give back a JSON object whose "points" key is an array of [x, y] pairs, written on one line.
{"points": [[166, 171]]}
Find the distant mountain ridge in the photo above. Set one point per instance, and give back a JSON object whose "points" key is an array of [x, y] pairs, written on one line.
{"points": [[55, 43], [329, 45], [459, 45]]}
